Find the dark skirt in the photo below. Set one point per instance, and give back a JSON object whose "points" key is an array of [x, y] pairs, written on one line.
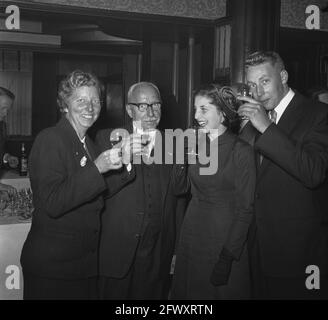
{"points": [[203, 234]]}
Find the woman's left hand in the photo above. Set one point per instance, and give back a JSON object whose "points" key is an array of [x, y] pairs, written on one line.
{"points": [[109, 160]]}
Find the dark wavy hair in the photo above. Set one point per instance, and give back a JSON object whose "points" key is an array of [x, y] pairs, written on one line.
{"points": [[224, 98], [74, 80]]}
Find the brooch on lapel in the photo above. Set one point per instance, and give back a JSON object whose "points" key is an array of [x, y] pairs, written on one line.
{"points": [[83, 161]]}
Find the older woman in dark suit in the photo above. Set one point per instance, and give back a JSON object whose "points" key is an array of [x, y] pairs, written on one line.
{"points": [[59, 257]]}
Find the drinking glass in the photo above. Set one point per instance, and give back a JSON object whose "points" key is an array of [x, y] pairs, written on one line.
{"points": [[14, 203], [115, 139], [241, 90], [26, 203], [3, 203], [145, 138], [145, 135]]}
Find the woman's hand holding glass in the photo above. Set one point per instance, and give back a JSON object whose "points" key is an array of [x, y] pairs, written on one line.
{"points": [[109, 160]]}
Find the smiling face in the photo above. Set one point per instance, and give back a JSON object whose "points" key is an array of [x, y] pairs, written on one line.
{"points": [[268, 84], [149, 118], [83, 108], [207, 115], [5, 104]]}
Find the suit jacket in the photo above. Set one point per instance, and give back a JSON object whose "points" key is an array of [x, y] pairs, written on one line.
{"points": [[289, 229], [67, 194], [123, 218]]}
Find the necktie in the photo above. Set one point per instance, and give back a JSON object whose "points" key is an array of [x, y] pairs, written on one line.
{"points": [[273, 116], [86, 149]]}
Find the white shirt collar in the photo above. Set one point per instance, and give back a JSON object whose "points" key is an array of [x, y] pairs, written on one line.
{"points": [[283, 104]]}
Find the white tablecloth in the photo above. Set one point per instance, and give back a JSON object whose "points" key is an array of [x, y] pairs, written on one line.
{"points": [[12, 237], [13, 233], [14, 179]]}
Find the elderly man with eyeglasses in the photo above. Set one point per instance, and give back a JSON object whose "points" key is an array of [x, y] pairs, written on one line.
{"points": [[139, 222]]}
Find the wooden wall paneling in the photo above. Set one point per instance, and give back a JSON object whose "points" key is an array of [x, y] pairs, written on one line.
{"points": [[44, 92], [139, 66], [1, 59], [182, 94], [130, 76], [19, 117], [25, 61], [222, 54], [146, 60], [302, 51], [190, 77], [162, 74], [11, 60], [255, 26], [206, 56], [175, 70]]}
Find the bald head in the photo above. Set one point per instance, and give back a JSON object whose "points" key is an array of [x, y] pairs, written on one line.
{"points": [[146, 89], [144, 104]]}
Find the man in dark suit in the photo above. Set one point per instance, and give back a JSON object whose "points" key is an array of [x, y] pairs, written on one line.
{"points": [[320, 93], [6, 102], [290, 133], [138, 224]]}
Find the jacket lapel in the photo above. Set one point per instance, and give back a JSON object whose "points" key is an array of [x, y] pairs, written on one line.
{"points": [[249, 134], [292, 115], [164, 169], [288, 121], [93, 152], [77, 147]]}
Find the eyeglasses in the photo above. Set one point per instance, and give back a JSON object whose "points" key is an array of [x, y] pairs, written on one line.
{"points": [[156, 106]]}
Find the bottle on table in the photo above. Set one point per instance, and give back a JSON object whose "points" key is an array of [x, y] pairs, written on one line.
{"points": [[23, 161]]}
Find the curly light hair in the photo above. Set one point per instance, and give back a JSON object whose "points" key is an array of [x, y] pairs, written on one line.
{"points": [[71, 82]]}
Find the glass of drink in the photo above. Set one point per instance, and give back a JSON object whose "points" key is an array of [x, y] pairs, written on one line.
{"points": [[241, 90], [146, 137], [115, 139], [3, 203]]}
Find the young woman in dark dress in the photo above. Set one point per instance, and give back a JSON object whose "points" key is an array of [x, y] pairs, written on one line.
{"points": [[212, 258]]}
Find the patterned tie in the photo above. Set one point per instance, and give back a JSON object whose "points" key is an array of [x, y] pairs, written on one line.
{"points": [[273, 116], [86, 149]]}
